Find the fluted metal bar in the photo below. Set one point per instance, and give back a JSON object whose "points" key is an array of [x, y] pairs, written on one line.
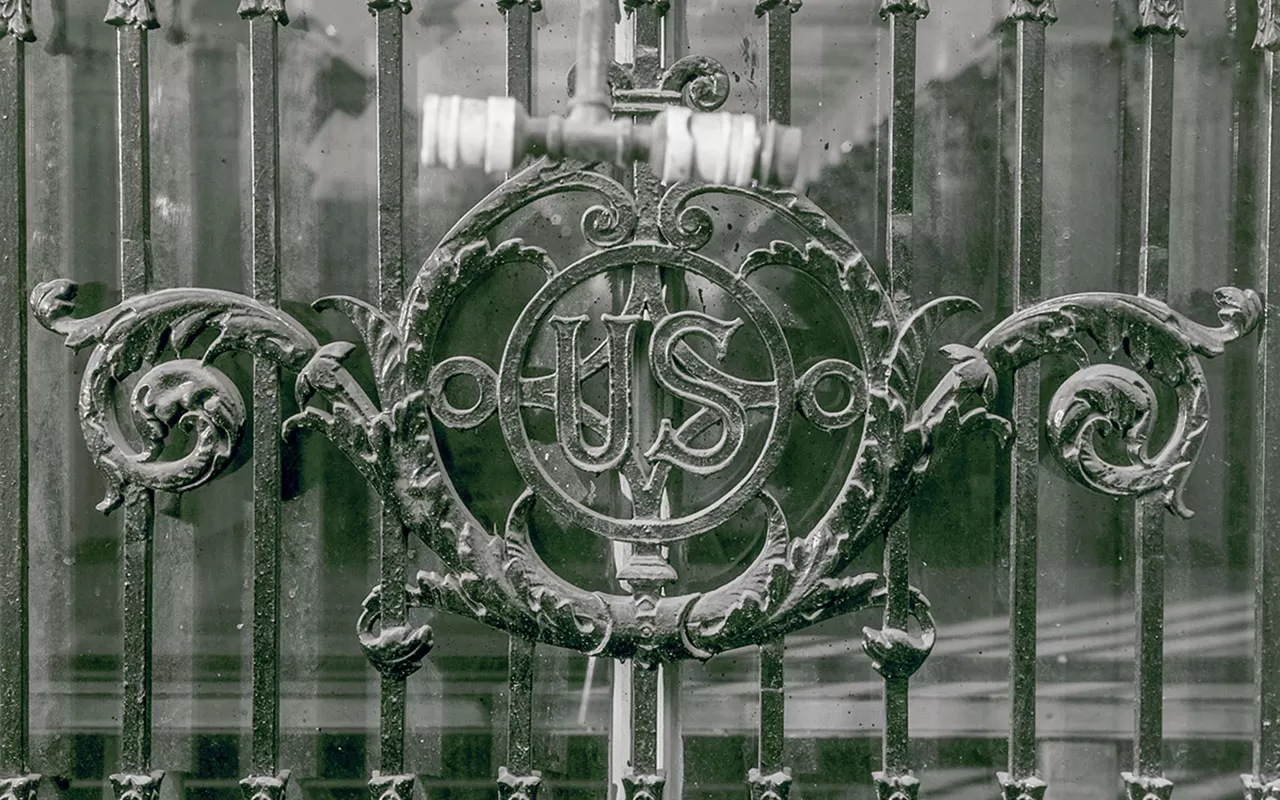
{"points": [[1265, 780], [1157, 30], [14, 514], [133, 23], [394, 542], [265, 134], [903, 16], [1020, 278]]}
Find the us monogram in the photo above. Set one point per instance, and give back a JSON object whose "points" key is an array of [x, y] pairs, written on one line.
{"points": [[683, 357]]}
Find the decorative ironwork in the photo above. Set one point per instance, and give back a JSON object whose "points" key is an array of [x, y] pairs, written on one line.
{"points": [[1028, 788], [391, 787], [643, 787], [1258, 789], [256, 8], [15, 20], [1160, 16], [774, 786], [896, 787], [1268, 36], [139, 14], [1147, 787], [500, 580], [23, 787], [698, 83], [518, 787], [1032, 11], [765, 6], [265, 787], [404, 6], [131, 786], [397, 651], [915, 9]]}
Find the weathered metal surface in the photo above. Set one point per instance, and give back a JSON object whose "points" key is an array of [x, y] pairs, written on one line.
{"points": [[1020, 277], [648, 342], [264, 19], [899, 192], [1264, 782], [1160, 23], [154, 398], [15, 619]]}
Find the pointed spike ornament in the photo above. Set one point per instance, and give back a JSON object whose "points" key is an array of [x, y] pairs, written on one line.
{"points": [[1043, 11], [15, 20], [1160, 16], [249, 9], [917, 9], [404, 6], [1268, 36], [22, 787], [140, 14], [1028, 788]]}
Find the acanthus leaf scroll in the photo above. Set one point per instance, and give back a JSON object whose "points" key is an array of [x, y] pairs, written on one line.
{"points": [[733, 423]]}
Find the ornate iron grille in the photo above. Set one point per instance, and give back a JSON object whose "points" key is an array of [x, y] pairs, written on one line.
{"points": [[648, 234]]}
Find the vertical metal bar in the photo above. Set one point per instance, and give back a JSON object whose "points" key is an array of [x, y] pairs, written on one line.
{"points": [[1159, 24], [1265, 780], [519, 17], [265, 134], [14, 514], [133, 21], [777, 57], [903, 16], [520, 709], [772, 707], [1020, 270], [644, 720], [390, 94]]}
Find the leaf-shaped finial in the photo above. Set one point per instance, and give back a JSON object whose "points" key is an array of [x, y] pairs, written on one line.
{"points": [[140, 14], [15, 20], [250, 9]]}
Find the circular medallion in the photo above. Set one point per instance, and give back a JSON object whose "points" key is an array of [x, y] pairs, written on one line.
{"points": [[685, 350]]}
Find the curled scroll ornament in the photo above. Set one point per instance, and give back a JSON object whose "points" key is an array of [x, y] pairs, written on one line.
{"points": [[496, 576]]}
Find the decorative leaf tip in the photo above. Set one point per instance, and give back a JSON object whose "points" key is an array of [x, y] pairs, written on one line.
{"points": [[140, 14], [916, 9], [15, 20], [1042, 11], [404, 6], [1268, 37], [250, 9], [1160, 16]]}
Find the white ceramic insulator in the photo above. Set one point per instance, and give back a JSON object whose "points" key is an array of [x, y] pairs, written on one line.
{"points": [[677, 154], [469, 132], [715, 148]]}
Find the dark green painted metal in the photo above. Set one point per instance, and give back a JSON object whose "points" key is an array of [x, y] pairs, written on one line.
{"points": [[1155, 182], [264, 69], [133, 152], [900, 203], [519, 20], [14, 511], [520, 671], [777, 57], [1020, 274], [390, 96], [772, 707], [1266, 532]]}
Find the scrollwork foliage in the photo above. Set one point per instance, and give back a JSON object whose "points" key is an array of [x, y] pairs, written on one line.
{"points": [[496, 576]]}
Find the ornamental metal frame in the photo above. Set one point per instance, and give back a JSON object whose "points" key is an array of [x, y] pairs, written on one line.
{"points": [[648, 226]]}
